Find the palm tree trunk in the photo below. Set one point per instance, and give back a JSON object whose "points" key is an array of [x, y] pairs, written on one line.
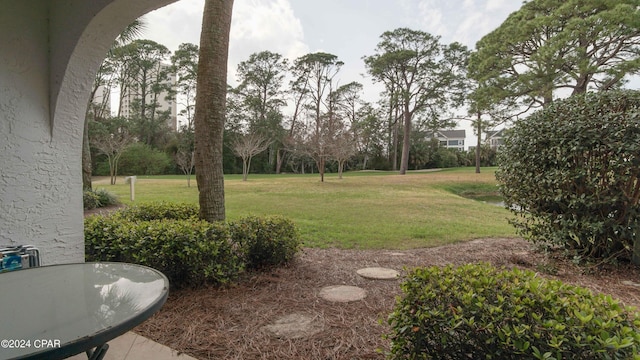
{"points": [[210, 107]]}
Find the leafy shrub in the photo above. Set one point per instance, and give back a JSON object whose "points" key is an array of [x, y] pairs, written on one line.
{"points": [[159, 210], [570, 174], [90, 200], [481, 312], [170, 238], [267, 241], [93, 199], [142, 159], [105, 238], [189, 252]]}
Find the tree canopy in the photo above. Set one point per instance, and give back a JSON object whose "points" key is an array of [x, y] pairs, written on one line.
{"points": [[559, 45]]}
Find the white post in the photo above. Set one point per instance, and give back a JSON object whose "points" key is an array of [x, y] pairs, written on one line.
{"points": [[132, 191]]}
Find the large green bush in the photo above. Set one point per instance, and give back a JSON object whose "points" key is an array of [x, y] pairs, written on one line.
{"points": [[137, 159], [570, 174], [142, 159], [477, 311], [266, 241]]}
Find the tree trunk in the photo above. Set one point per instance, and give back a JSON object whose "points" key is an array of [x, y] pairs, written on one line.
{"points": [[279, 159], [479, 131], [394, 160], [635, 259], [321, 168], [210, 107], [404, 161], [246, 163]]}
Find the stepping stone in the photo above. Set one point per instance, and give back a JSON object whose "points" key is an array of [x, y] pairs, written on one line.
{"points": [[295, 326], [378, 273], [630, 283], [342, 293]]}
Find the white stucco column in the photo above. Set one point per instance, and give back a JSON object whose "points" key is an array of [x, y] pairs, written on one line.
{"points": [[50, 51]]}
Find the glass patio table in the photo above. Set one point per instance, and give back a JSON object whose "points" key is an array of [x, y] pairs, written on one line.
{"points": [[54, 312]]}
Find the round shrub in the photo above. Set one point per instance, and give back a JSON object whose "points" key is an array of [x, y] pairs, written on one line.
{"points": [[93, 199], [477, 311], [90, 200], [570, 174], [266, 241]]}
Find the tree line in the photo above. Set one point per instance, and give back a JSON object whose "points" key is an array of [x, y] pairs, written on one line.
{"points": [[297, 116]]}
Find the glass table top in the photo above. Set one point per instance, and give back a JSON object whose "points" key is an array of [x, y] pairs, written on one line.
{"points": [[75, 305]]}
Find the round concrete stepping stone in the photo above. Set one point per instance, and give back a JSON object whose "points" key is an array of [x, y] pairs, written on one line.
{"points": [[342, 293], [378, 273], [397, 254], [295, 326], [630, 283]]}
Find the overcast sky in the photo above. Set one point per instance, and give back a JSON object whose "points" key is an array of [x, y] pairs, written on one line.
{"points": [[349, 29]]}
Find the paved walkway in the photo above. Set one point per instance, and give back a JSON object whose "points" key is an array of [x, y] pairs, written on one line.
{"points": [[132, 346]]}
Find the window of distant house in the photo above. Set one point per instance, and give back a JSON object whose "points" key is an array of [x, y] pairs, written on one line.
{"points": [[456, 142], [443, 143]]}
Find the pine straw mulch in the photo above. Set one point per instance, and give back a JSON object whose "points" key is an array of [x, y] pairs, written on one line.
{"points": [[209, 323]]}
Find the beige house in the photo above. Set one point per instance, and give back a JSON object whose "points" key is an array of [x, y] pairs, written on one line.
{"points": [[495, 138], [50, 51], [451, 139]]}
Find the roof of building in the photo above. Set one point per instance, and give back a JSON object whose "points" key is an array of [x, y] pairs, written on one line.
{"points": [[452, 134], [494, 133]]}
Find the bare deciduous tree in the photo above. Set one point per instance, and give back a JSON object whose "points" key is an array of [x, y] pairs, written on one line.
{"points": [[343, 147], [185, 161], [112, 144], [246, 147]]}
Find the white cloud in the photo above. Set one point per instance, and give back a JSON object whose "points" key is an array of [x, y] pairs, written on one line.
{"points": [[432, 17], [175, 24], [469, 4], [264, 25], [500, 4], [257, 25]]}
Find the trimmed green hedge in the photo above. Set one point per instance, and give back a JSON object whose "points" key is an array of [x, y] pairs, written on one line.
{"points": [[266, 242], [158, 211], [190, 252], [481, 312]]}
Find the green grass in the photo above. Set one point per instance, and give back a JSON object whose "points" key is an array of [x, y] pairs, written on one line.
{"points": [[362, 210]]}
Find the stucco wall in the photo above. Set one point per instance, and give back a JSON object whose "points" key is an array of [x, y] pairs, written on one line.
{"points": [[36, 205], [50, 51]]}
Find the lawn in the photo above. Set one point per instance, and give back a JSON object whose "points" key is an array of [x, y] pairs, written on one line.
{"points": [[364, 210]]}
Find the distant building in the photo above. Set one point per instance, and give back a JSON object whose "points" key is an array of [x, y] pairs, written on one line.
{"points": [[451, 139], [132, 95], [495, 139], [102, 101]]}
